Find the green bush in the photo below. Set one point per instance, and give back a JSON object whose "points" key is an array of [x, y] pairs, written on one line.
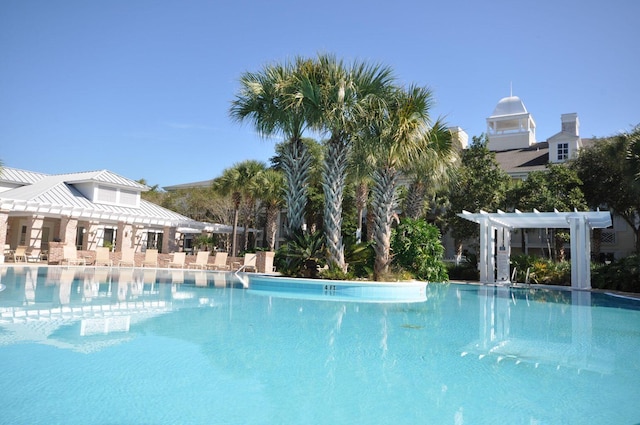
{"points": [[620, 275], [416, 248]]}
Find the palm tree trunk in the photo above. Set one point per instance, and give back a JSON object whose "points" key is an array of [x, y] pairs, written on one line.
{"points": [[362, 191], [296, 162], [234, 233], [333, 176], [383, 205], [415, 200], [272, 225]]}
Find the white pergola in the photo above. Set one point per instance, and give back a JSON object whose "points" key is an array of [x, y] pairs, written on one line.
{"points": [[495, 232]]}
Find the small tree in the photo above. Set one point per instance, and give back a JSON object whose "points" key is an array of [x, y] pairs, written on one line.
{"points": [[417, 248]]}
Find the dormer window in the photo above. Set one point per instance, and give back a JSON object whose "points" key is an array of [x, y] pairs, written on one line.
{"points": [[563, 151]]}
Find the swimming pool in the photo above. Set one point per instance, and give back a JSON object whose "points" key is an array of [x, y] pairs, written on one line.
{"points": [[90, 346]]}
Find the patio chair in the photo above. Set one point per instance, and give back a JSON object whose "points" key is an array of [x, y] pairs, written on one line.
{"points": [[220, 261], [70, 256], [102, 257], [127, 258], [20, 254], [248, 263], [178, 260], [150, 258], [202, 261], [32, 255]]}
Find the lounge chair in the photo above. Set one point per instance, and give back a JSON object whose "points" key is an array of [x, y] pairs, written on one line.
{"points": [[150, 258], [202, 261], [178, 260], [32, 255], [20, 254], [220, 261], [127, 258], [102, 257], [248, 263], [8, 252], [70, 256]]}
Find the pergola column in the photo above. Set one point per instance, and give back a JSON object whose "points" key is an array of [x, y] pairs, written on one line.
{"points": [[580, 252], [486, 261], [169, 239], [125, 234], [68, 230]]}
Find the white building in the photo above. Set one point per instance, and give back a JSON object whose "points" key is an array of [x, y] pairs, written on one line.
{"points": [[87, 209]]}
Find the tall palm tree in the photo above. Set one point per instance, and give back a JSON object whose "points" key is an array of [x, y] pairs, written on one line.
{"points": [[266, 99], [397, 134], [431, 172], [268, 187], [331, 94], [236, 181]]}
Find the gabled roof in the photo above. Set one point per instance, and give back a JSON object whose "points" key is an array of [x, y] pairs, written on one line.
{"points": [[563, 135], [14, 175], [57, 195], [102, 176]]}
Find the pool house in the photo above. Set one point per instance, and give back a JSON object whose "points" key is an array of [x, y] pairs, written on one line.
{"points": [[88, 210]]}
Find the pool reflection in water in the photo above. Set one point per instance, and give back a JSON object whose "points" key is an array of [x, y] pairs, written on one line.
{"points": [[84, 345]]}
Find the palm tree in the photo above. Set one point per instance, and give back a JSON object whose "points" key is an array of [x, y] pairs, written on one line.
{"points": [[431, 172], [236, 181], [360, 173], [266, 98], [331, 94], [397, 135], [268, 187]]}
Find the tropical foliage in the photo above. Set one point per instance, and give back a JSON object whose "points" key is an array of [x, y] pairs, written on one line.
{"points": [[608, 171], [417, 248]]}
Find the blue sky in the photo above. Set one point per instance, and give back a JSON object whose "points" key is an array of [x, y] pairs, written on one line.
{"points": [[143, 87]]}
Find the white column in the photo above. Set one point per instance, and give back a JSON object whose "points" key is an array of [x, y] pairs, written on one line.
{"points": [[486, 262], [580, 253], [503, 254]]}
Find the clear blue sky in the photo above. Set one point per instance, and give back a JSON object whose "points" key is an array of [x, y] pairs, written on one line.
{"points": [[143, 87]]}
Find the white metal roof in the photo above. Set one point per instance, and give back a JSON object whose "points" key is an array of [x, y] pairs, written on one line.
{"points": [[540, 220], [55, 195], [14, 175]]}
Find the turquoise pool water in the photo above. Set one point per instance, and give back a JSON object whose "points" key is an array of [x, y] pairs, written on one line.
{"points": [[85, 346]]}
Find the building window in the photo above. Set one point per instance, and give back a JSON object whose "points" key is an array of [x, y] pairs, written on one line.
{"points": [[563, 151]]}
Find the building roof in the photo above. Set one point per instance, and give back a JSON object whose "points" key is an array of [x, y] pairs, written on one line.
{"points": [[56, 195], [511, 105], [525, 160], [203, 183]]}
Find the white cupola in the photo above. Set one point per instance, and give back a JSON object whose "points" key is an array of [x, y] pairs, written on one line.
{"points": [[510, 126]]}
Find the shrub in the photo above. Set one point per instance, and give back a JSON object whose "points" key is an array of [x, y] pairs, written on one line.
{"points": [[416, 248], [620, 275]]}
